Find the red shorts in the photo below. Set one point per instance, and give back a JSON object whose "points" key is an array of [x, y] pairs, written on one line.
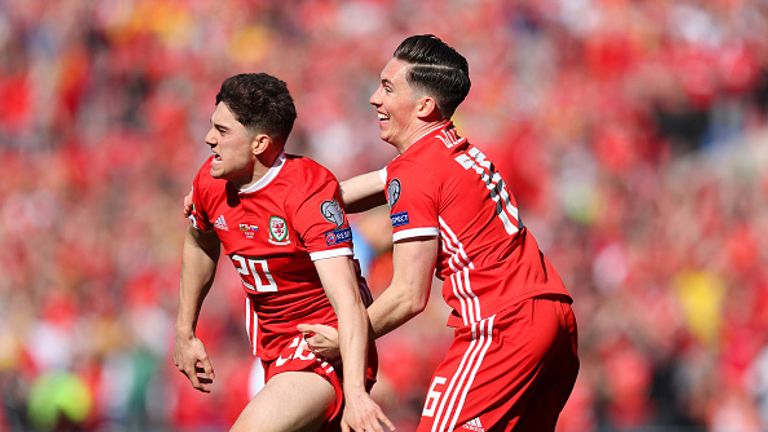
{"points": [[297, 357], [511, 371]]}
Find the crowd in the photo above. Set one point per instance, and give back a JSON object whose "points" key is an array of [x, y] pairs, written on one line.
{"points": [[634, 135]]}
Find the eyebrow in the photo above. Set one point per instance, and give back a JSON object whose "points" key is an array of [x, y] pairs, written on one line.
{"points": [[218, 126]]}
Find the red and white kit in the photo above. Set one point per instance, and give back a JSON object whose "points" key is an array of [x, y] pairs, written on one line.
{"points": [[273, 231], [496, 372]]}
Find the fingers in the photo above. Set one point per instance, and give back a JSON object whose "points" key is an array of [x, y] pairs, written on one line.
{"points": [[319, 345], [200, 376], [320, 329], [373, 426], [207, 367], [327, 331], [188, 204], [200, 381], [367, 417], [204, 375], [306, 328], [193, 378], [383, 419]]}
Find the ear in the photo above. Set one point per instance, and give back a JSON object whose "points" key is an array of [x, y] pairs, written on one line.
{"points": [[260, 143], [426, 109]]}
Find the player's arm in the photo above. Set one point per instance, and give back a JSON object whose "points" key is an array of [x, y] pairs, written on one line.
{"points": [[200, 254], [359, 193], [413, 263], [339, 279], [363, 192]]}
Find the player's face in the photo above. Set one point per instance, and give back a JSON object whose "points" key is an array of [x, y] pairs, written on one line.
{"points": [[396, 105], [230, 142]]}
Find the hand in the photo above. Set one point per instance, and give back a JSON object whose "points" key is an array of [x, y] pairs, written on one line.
{"points": [[188, 204], [362, 414], [190, 358], [323, 340]]}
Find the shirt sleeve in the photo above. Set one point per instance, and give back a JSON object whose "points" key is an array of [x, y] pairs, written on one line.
{"points": [[412, 199], [320, 222], [198, 216]]}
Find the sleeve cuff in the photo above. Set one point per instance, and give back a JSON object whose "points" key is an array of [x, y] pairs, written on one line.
{"points": [[331, 253], [383, 175], [196, 226], [415, 232]]}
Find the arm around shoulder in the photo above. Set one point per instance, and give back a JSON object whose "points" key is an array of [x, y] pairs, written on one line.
{"points": [[363, 192]]}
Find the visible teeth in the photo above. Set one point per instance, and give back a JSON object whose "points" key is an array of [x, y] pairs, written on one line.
{"points": [[383, 117]]}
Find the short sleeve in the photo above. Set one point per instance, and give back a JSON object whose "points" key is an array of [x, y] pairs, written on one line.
{"points": [[412, 199], [320, 222], [198, 216]]}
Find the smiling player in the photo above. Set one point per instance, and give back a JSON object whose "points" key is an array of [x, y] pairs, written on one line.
{"points": [[513, 361]]}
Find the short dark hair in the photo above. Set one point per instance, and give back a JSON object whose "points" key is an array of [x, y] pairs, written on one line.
{"points": [[437, 69], [261, 102]]}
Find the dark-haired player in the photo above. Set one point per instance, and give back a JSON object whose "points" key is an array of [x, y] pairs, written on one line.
{"points": [[279, 220], [513, 361]]}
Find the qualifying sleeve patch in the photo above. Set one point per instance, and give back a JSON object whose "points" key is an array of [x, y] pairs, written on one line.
{"points": [[338, 236], [399, 219]]}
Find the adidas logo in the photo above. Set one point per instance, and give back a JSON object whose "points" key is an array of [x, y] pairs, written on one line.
{"points": [[474, 425], [221, 223]]}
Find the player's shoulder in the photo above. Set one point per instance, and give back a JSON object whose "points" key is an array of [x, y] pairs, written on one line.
{"points": [[305, 164], [419, 167], [304, 173]]}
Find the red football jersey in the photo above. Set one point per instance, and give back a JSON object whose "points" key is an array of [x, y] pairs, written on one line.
{"points": [[443, 186], [273, 231]]}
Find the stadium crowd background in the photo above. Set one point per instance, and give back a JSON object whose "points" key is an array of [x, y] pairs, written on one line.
{"points": [[634, 134]]}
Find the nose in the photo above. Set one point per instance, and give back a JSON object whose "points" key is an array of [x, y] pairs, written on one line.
{"points": [[375, 98], [210, 137]]}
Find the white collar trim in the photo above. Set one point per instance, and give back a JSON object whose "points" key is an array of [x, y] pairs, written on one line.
{"points": [[430, 131], [267, 178]]}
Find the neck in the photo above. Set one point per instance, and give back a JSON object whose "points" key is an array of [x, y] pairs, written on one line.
{"points": [[261, 166], [419, 132]]}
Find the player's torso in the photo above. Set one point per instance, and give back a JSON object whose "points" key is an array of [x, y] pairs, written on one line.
{"points": [[257, 232], [486, 257]]}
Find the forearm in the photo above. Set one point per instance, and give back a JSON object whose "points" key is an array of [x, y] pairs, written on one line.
{"points": [[339, 280], [353, 344], [393, 308], [363, 192], [413, 263], [198, 268]]}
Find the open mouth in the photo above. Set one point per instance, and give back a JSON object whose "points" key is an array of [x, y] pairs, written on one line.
{"points": [[216, 158], [382, 117]]}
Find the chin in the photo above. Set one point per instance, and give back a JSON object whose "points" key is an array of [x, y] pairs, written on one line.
{"points": [[388, 140]]}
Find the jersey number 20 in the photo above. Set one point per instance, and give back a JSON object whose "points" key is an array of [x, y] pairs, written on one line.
{"points": [[258, 270]]}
